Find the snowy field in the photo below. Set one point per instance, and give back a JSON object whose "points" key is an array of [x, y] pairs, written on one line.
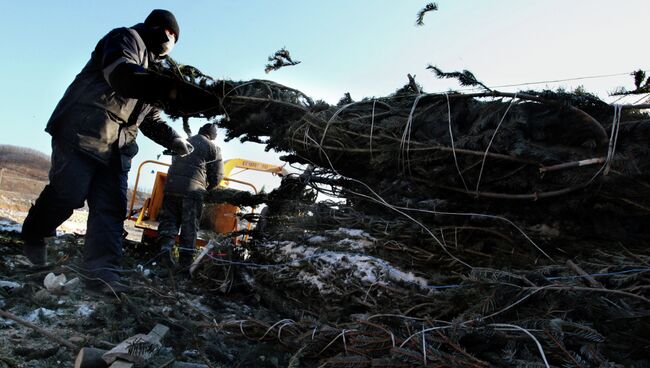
{"points": [[14, 207]]}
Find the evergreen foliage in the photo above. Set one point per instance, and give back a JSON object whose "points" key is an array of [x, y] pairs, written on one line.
{"points": [[427, 8], [280, 59], [476, 200], [465, 78], [641, 85]]}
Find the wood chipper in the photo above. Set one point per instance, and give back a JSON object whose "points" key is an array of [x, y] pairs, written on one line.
{"points": [[223, 217]]}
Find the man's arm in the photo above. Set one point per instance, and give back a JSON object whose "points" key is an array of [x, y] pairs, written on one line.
{"points": [[133, 81], [215, 169], [122, 59], [157, 130]]}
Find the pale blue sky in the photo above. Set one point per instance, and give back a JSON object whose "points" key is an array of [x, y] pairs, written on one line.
{"points": [[362, 47]]}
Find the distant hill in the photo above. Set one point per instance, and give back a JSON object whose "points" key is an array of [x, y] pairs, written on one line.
{"points": [[24, 162], [25, 170]]}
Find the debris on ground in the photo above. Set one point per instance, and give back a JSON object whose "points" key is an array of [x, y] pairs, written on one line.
{"points": [[459, 230], [495, 229]]}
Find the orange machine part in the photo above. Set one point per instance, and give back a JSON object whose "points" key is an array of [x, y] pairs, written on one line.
{"points": [[225, 218], [157, 195]]}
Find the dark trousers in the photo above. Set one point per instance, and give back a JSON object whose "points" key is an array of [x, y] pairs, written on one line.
{"points": [[75, 178], [184, 213]]}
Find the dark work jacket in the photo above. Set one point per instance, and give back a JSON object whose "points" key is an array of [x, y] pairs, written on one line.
{"points": [[96, 120], [190, 175]]}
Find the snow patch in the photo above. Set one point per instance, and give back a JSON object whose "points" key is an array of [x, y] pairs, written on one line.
{"points": [[40, 314], [10, 226], [197, 303], [317, 239], [311, 279], [293, 251], [353, 233], [10, 286], [365, 269], [351, 244], [368, 269], [84, 310]]}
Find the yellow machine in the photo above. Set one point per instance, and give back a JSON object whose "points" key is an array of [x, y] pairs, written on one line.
{"points": [[223, 216]]}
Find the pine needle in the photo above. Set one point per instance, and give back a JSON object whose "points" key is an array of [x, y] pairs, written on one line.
{"points": [[639, 77], [427, 8], [465, 78], [280, 59], [641, 85], [346, 99]]}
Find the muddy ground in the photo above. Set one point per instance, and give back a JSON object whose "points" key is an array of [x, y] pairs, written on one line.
{"points": [[322, 294], [189, 307]]}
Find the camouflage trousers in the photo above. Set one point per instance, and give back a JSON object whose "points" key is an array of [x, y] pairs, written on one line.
{"points": [[180, 213]]}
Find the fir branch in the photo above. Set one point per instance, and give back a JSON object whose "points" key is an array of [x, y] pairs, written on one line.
{"points": [[413, 84], [641, 84], [411, 87], [346, 99], [185, 72], [280, 59], [186, 126], [465, 78], [427, 8], [639, 77], [142, 349]]}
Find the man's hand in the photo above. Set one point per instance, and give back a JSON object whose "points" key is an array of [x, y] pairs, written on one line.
{"points": [[181, 147], [188, 99]]}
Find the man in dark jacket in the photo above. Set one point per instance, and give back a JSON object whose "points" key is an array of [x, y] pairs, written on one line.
{"points": [[93, 131], [187, 181]]}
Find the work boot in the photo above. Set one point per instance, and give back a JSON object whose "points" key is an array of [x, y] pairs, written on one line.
{"points": [[36, 252], [182, 268], [185, 259], [108, 288], [166, 256], [33, 233]]}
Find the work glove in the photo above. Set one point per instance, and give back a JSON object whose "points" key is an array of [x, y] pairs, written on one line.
{"points": [[181, 147], [189, 99]]}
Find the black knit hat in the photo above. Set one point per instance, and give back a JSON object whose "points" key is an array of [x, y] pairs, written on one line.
{"points": [[209, 130], [163, 18]]}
